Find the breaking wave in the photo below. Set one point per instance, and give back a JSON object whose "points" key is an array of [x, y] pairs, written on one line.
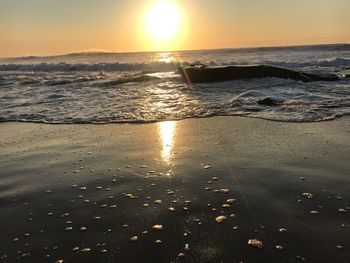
{"points": [[336, 63], [145, 87]]}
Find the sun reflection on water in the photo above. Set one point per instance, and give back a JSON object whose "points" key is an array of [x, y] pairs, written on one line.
{"points": [[166, 57], [167, 132]]}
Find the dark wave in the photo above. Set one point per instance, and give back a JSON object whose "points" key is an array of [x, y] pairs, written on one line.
{"points": [[108, 67]]}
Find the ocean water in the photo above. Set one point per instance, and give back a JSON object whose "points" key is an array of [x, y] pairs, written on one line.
{"points": [[145, 87]]}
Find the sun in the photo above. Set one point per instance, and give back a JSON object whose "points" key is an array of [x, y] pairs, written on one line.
{"points": [[163, 21]]}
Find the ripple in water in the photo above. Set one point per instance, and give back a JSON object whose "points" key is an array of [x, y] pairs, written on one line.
{"points": [[153, 91]]}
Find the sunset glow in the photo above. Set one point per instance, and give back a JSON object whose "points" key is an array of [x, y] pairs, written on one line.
{"points": [[163, 25], [39, 27], [163, 21]]}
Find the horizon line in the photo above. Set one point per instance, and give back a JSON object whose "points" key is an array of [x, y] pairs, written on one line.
{"points": [[167, 51]]}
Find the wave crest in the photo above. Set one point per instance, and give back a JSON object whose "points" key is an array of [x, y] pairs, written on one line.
{"points": [[333, 63]]}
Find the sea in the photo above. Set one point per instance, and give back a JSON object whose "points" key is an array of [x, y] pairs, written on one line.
{"points": [[102, 88]]}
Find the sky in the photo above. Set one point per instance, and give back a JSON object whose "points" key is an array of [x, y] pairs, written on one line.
{"points": [[49, 27]]}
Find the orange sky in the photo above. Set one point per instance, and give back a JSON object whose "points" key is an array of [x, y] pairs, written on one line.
{"points": [[42, 27]]}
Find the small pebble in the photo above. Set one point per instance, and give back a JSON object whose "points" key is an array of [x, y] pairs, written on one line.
{"points": [[230, 201], [345, 225], [220, 219], [340, 247], [308, 195], [134, 238], [279, 247], [157, 227], [255, 243]]}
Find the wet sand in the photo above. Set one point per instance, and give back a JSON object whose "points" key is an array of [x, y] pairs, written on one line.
{"points": [[102, 193]]}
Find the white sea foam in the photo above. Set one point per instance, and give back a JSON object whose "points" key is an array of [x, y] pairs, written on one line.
{"points": [[331, 63]]}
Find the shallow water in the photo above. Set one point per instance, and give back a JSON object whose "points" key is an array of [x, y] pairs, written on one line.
{"points": [[145, 87]]}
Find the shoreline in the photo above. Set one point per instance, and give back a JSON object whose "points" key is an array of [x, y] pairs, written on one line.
{"points": [[145, 122], [56, 180]]}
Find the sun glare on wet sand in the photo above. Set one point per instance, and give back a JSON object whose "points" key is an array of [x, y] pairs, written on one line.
{"points": [[167, 132]]}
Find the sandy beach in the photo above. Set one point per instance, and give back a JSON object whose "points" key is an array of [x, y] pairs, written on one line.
{"points": [[188, 191]]}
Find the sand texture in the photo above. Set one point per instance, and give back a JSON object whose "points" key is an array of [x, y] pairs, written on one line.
{"points": [[223, 189]]}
